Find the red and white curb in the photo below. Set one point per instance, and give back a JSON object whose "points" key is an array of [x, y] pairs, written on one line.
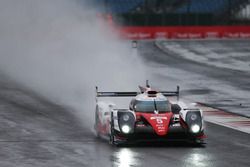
{"points": [[226, 119], [220, 117]]}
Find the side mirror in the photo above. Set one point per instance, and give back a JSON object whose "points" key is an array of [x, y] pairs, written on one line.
{"points": [[111, 106], [175, 108]]}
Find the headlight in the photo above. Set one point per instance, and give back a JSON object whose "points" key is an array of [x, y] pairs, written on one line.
{"points": [[126, 121], [125, 117], [193, 117], [195, 128], [125, 129]]}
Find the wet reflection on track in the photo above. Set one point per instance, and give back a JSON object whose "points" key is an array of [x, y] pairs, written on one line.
{"points": [[125, 158], [196, 158]]}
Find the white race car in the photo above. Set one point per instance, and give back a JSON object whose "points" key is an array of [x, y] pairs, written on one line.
{"points": [[149, 116]]}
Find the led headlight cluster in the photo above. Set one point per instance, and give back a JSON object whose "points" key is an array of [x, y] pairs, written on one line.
{"points": [[194, 121], [126, 121]]}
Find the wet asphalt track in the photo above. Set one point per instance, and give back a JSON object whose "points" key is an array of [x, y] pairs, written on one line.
{"points": [[36, 132], [219, 87]]}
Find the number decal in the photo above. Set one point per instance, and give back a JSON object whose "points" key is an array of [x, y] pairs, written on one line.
{"points": [[159, 121]]}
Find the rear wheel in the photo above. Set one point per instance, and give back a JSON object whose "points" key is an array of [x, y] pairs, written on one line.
{"points": [[97, 133], [97, 122], [111, 139]]}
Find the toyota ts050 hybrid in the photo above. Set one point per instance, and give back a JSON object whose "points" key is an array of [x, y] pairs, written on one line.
{"points": [[149, 115]]}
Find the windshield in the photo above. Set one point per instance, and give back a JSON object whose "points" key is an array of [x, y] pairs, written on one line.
{"points": [[151, 106]]}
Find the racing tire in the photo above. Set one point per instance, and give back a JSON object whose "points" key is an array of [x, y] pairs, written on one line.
{"points": [[111, 139], [112, 131], [97, 133]]}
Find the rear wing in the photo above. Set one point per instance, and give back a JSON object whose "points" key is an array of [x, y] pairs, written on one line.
{"points": [[172, 93], [132, 94], [115, 94]]}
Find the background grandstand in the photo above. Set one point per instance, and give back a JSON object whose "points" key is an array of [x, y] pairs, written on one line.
{"points": [[177, 12]]}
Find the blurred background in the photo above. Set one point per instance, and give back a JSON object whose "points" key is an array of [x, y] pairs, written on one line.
{"points": [[177, 12]]}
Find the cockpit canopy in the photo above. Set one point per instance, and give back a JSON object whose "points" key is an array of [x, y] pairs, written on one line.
{"points": [[151, 106]]}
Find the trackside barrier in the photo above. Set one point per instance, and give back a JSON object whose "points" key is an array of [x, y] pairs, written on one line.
{"points": [[186, 32]]}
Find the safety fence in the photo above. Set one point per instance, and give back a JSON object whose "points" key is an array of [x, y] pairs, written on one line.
{"points": [[177, 12], [179, 19]]}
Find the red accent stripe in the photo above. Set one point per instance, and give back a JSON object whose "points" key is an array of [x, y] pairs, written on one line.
{"points": [[202, 136], [240, 123], [220, 113]]}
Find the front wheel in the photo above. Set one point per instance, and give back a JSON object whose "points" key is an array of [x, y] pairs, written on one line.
{"points": [[97, 133], [111, 139], [112, 130], [97, 121]]}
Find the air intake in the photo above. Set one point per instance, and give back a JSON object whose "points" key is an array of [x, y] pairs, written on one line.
{"points": [[152, 93]]}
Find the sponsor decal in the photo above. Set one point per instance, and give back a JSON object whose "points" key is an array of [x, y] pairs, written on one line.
{"points": [[232, 35], [181, 35], [161, 35], [244, 35], [144, 35], [159, 120], [186, 32], [212, 34], [132, 35], [159, 117], [195, 35]]}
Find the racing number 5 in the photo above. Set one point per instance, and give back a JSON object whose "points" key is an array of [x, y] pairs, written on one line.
{"points": [[159, 121]]}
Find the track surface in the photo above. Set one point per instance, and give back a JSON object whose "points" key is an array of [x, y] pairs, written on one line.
{"points": [[217, 86], [36, 132]]}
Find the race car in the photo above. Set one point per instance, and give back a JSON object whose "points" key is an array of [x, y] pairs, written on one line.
{"points": [[149, 116]]}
